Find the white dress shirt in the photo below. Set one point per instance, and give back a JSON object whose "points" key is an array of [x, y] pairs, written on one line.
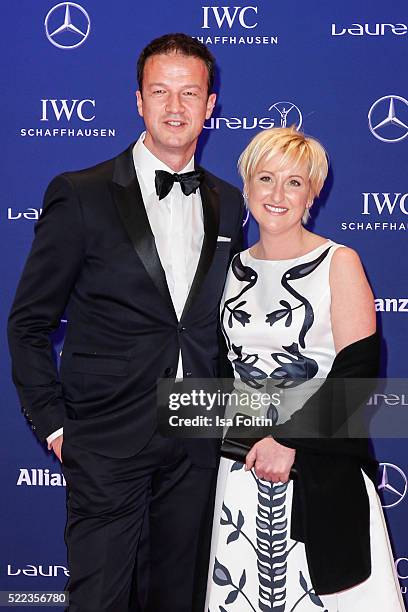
{"points": [[178, 229], [176, 222]]}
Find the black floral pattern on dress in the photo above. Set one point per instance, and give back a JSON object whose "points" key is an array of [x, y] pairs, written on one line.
{"points": [[277, 315], [299, 271], [294, 367], [246, 370], [239, 315], [244, 274]]}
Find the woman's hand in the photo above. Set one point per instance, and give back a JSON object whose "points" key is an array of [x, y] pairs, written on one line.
{"points": [[271, 460]]}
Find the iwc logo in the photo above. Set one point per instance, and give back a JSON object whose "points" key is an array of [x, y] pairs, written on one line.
{"points": [[63, 117], [234, 25], [67, 25]]}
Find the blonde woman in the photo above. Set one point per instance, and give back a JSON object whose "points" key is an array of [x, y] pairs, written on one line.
{"points": [[297, 306]]}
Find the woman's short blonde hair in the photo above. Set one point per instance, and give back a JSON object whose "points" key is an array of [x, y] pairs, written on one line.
{"points": [[295, 147]]}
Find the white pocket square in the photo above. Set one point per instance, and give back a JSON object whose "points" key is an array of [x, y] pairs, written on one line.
{"points": [[223, 239]]}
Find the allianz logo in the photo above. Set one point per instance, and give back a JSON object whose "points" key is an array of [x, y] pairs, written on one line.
{"points": [[40, 478], [380, 202], [37, 570], [366, 29], [391, 305]]}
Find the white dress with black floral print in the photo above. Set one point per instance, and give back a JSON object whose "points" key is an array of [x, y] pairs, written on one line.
{"points": [[275, 317]]}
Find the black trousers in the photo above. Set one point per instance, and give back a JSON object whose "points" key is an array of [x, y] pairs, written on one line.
{"points": [[137, 529]]}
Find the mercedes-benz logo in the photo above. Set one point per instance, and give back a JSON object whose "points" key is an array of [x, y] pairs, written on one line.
{"points": [[388, 119], [286, 114], [60, 25], [393, 485]]}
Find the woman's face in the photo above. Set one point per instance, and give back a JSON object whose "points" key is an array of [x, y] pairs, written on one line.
{"points": [[278, 195]]}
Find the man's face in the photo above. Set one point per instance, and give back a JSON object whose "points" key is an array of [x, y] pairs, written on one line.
{"points": [[174, 104]]}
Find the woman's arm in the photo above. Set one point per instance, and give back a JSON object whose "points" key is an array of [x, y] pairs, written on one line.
{"points": [[352, 301]]}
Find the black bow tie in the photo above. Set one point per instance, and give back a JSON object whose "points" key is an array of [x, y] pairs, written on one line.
{"points": [[189, 182]]}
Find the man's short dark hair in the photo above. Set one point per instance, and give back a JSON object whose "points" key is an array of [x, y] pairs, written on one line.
{"points": [[177, 43]]}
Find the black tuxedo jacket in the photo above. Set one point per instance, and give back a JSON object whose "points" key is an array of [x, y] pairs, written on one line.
{"points": [[94, 257]]}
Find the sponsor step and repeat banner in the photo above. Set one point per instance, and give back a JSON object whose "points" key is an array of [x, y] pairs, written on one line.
{"points": [[335, 70]]}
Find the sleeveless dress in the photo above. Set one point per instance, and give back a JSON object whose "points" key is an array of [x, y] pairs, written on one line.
{"points": [[275, 316]]}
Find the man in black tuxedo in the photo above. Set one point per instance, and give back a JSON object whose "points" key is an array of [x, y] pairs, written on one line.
{"points": [[135, 250]]}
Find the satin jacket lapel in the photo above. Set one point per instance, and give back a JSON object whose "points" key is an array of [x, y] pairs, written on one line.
{"points": [[132, 212], [211, 216]]}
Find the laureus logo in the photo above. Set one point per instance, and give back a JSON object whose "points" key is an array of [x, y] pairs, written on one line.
{"points": [[369, 29], [280, 114], [286, 114], [37, 570]]}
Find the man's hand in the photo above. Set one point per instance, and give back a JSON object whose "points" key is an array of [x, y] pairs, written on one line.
{"points": [[271, 460], [56, 446]]}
